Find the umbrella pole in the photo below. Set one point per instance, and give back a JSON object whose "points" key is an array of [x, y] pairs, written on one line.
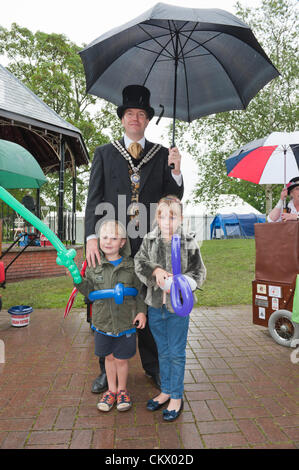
{"points": [[174, 93], [285, 166], [285, 178], [175, 87], [174, 112]]}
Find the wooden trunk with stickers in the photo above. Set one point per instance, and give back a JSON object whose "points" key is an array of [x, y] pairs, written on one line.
{"points": [[276, 269]]}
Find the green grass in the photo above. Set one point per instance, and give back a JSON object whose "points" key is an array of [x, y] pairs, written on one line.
{"points": [[40, 293], [230, 271]]}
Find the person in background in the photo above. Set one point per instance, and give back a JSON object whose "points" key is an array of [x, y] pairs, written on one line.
{"points": [[277, 214]]}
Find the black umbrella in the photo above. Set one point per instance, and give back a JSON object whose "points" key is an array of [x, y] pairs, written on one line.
{"points": [[195, 62]]}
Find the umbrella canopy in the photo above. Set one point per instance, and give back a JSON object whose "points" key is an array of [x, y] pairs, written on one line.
{"points": [[271, 160], [194, 61], [18, 168]]}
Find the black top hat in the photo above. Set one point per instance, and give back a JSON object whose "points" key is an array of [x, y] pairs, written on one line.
{"points": [[292, 184], [136, 96]]}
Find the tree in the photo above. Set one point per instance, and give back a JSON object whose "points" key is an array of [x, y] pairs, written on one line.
{"points": [[49, 64], [213, 138]]}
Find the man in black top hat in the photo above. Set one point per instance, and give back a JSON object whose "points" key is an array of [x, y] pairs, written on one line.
{"points": [[126, 173]]}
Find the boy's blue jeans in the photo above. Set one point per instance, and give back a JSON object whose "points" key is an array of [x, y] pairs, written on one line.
{"points": [[170, 333]]}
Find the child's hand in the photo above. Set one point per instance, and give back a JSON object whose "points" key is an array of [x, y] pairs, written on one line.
{"points": [[167, 284], [161, 276], [141, 319]]}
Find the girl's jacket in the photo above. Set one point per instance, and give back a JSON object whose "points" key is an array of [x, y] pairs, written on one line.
{"points": [[155, 252], [108, 316]]}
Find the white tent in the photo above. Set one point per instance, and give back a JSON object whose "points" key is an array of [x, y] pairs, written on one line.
{"points": [[227, 204]]}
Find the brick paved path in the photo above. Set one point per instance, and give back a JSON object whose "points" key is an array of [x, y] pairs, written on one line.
{"points": [[241, 388]]}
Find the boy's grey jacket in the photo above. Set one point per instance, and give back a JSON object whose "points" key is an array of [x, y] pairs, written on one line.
{"points": [[108, 316], [155, 252]]}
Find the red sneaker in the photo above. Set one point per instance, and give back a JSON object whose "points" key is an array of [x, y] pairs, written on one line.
{"points": [[124, 402], [107, 401]]}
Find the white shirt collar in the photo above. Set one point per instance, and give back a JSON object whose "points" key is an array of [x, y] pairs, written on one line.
{"points": [[128, 141]]}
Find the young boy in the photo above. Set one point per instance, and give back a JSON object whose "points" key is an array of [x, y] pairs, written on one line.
{"points": [[114, 324]]}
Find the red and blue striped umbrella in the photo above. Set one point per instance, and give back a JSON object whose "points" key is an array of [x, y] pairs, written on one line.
{"points": [[271, 160]]}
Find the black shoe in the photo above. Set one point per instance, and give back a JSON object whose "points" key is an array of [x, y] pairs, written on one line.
{"points": [[172, 415], [100, 384], [153, 405]]}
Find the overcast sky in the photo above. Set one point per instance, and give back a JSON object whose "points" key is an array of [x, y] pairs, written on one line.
{"points": [[84, 20]]}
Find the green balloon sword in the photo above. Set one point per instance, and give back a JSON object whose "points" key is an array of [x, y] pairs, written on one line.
{"points": [[64, 257]]}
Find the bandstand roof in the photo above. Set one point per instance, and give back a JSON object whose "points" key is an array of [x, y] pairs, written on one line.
{"points": [[26, 120]]}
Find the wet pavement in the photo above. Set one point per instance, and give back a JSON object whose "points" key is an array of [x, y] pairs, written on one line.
{"points": [[241, 388]]}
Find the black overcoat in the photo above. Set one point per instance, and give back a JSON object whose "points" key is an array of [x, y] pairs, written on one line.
{"points": [[110, 183]]}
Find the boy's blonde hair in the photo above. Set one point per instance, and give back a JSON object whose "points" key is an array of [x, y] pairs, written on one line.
{"points": [[117, 226]]}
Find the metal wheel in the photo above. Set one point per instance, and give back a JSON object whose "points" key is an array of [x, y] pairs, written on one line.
{"points": [[282, 329]]}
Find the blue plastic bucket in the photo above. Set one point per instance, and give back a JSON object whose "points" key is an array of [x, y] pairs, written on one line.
{"points": [[20, 315]]}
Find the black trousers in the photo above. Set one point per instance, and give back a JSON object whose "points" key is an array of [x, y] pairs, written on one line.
{"points": [[147, 351]]}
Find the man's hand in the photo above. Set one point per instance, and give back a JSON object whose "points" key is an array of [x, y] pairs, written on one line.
{"points": [[140, 320], [175, 157], [92, 252]]}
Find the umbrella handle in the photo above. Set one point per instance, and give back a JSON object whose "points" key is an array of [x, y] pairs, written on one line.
{"points": [[65, 257], [172, 165]]}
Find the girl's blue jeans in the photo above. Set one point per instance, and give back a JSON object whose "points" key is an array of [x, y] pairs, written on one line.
{"points": [[170, 333]]}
